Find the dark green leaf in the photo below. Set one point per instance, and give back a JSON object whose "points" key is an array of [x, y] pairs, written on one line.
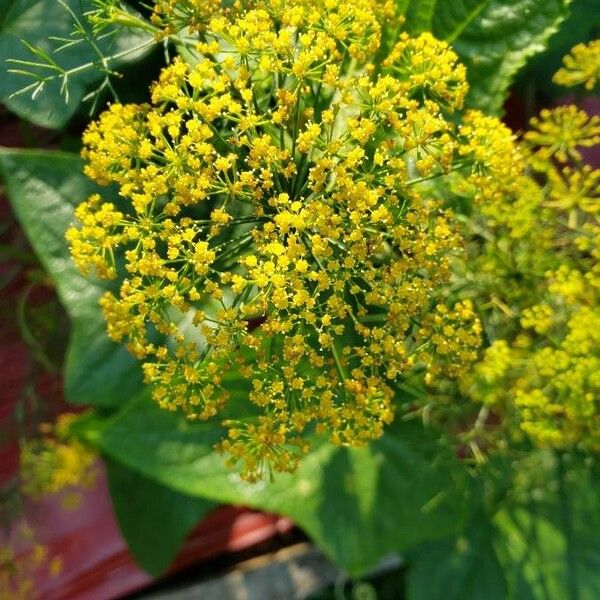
{"points": [[445, 19], [419, 15], [499, 41], [5, 8], [44, 187], [494, 38], [357, 504], [451, 18], [153, 518], [36, 22], [537, 75]]}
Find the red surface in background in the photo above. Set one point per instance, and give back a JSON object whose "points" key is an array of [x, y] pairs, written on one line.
{"points": [[96, 564]]}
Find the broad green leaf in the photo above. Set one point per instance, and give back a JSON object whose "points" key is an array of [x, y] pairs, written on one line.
{"points": [[153, 519], [43, 188], [37, 22], [578, 27], [5, 7], [533, 568], [500, 40], [548, 543], [532, 535], [402, 6], [356, 504], [451, 18], [419, 15], [446, 20], [463, 567]]}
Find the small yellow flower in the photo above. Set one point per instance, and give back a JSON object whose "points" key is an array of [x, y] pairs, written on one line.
{"points": [[561, 131]]}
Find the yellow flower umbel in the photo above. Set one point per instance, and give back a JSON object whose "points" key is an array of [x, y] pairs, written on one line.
{"points": [[281, 222]]}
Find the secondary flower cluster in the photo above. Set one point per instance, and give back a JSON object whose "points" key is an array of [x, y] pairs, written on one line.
{"points": [[280, 229], [54, 463], [538, 277]]}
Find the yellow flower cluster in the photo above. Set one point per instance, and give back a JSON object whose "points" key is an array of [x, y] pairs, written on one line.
{"points": [[537, 278], [281, 222], [430, 68], [580, 66], [558, 401], [54, 463]]}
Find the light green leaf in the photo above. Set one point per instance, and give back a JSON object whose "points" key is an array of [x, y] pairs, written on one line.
{"points": [[153, 519], [36, 22], [532, 569], [500, 40], [357, 505], [43, 188]]}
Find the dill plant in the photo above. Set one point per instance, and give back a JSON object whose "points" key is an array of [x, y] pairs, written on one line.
{"points": [[316, 234], [282, 177]]}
